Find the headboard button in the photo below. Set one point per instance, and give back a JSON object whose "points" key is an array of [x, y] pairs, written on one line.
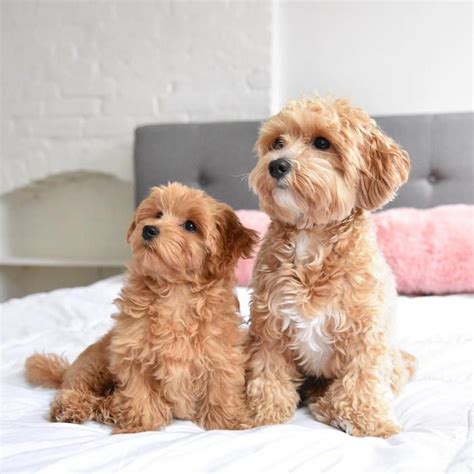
{"points": [[434, 177], [203, 180]]}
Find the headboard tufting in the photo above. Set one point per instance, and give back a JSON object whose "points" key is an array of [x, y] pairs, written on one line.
{"points": [[217, 157]]}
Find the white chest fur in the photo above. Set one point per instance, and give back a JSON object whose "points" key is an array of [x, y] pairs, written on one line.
{"points": [[311, 342]]}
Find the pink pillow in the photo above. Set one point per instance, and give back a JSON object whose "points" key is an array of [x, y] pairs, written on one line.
{"points": [[430, 251], [258, 221]]}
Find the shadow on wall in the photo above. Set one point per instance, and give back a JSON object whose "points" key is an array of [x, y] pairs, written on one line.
{"points": [[66, 230]]}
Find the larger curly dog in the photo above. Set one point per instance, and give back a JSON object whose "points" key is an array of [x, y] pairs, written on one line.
{"points": [[176, 349], [323, 301]]}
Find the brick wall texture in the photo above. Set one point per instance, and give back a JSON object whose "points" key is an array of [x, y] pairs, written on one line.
{"points": [[78, 77]]}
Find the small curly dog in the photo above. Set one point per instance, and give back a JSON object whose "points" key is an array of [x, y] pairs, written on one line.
{"points": [[323, 301], [176, 349]]}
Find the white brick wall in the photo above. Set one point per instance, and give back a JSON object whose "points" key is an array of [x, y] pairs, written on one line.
{"points": [[79, 76]]}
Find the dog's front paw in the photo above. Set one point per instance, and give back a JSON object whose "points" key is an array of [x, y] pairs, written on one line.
{"points": [[209, 424], [123, 429], [136, 426], [354, 423], [379, 429], [225, 417], [271, 401], [136, 420]]}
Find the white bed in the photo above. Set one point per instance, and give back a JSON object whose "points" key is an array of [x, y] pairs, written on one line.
{"points": [[435, 409]]}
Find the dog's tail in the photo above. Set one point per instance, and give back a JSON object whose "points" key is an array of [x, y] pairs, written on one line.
{"points": [[46, 370], [410, 364], [404, 368]]}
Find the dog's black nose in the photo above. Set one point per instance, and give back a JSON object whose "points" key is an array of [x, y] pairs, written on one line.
{"points": [[149, 232], [279, 168]]}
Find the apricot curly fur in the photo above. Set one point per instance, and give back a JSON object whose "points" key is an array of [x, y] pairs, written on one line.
{"points": [[176, 349], [323, 296], [46, 370]]}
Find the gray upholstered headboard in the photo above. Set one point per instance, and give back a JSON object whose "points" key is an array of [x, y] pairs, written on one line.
{"points": [[217, 157]]}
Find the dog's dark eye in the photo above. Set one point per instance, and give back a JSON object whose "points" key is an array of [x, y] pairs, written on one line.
{"points": [[159, 215], [321, 143], [278, 144], [190, 226]]}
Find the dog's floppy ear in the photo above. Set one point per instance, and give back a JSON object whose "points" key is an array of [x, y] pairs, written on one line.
{"points": [[233, 240], [131, 228], [386, 168]]}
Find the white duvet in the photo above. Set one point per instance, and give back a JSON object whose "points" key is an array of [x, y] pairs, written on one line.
{"points": [[435, 409]]}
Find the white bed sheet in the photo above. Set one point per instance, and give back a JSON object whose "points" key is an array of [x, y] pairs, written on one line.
{"points": [[435, 409]]}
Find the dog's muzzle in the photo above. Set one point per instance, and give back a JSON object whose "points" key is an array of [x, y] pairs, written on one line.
{"points": [[279, 168], [149, 232]]}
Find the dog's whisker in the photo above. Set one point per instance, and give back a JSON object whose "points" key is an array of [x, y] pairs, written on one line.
{"points": [[242, 177]]}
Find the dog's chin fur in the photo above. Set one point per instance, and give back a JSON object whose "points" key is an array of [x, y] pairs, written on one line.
{"points": [[322, 293], [176, 349], [167, 262]]}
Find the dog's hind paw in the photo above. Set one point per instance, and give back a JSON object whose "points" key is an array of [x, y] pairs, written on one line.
{"points": [[71, 407]]}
